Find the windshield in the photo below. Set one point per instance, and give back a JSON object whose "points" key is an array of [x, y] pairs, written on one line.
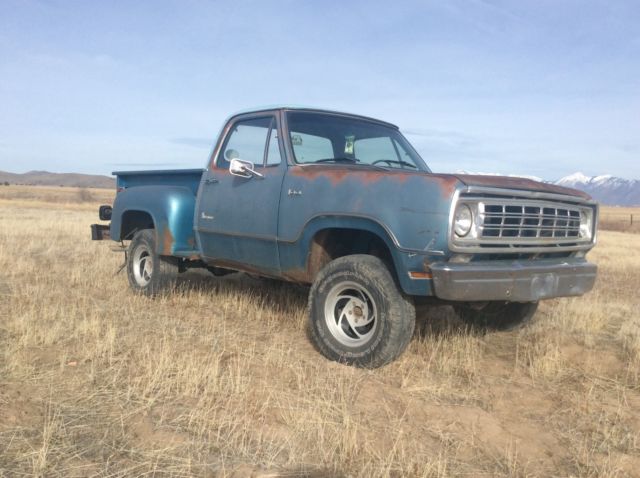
{"points": [[326, 138]]}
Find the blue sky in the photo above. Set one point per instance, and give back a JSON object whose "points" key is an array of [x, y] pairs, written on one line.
{"points": [[542, 88]]}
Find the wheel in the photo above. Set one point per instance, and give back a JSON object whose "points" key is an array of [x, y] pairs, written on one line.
{"points": [[148, 272], [498, 315], [357, 313]]}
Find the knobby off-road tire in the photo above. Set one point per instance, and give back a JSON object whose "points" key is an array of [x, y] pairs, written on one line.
{"points": [[148, 272], [357, 313], [499, 316]]}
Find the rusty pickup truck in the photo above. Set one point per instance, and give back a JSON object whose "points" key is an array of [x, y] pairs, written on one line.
{"points": [[344, 203]]}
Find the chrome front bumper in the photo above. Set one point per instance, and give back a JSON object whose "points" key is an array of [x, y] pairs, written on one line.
{"points": [[518, 281]]}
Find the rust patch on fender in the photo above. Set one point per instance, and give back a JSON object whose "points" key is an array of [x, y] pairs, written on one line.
{"points": [[338, 174], [447, 184], [297, 275], [167, 241], [318, 254]]}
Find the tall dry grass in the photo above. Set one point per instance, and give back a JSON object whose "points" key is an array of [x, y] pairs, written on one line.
{"points": [[623, 219], [218, 379]]}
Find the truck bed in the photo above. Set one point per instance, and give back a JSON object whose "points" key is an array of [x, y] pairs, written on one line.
{"points": [[189, 178]]}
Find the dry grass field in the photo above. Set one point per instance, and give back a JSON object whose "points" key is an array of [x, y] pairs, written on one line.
{"points": [[218, 379], [625, 219]]}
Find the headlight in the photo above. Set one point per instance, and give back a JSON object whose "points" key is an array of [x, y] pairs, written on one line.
{"points": [[586, 223], [462, 220]]}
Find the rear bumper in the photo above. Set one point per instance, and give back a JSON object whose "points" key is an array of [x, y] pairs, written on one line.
{"points": [[518, 281], [100, 232]]}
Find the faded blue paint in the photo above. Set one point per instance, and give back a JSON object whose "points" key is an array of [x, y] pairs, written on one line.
{"points": [[189, 178], [267, 225], [171, 210]]}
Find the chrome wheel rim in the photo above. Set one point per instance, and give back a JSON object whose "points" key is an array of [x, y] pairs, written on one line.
{"points": [[142, 266], [350, 314]]}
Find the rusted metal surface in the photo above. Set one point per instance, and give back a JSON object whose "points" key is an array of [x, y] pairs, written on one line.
{"points": [[337, 174], [413, 207], [166, 240], [278, 225]]}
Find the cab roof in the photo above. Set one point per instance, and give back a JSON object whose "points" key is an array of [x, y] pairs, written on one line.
{"points": [[309, 109]]}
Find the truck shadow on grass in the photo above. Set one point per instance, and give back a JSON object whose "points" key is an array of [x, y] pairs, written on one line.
{"points": [[290, 296], [434, 322], [291, 300]]}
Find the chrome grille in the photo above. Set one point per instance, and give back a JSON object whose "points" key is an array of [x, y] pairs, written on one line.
{"points": [[513, 221], [527, 220]]}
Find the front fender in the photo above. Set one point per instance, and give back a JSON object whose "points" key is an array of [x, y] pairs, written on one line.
{"points": [[171, 210], [295, 254]]}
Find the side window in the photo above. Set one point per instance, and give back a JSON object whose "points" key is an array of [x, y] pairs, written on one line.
{"points": [[368, 150], [308, 148], [273, 152], [247, 141]]}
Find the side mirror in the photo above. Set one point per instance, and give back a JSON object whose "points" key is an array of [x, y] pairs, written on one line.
{"points": [[243, 169]]}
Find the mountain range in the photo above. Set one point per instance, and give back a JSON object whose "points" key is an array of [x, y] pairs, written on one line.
{"points": [[605, 189], [45, 178]]}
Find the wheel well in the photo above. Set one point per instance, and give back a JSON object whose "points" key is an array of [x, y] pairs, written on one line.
{"points": [[133, 221], [329, 244]]}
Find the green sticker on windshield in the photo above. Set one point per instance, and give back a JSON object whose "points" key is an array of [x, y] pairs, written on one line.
{"points": [[348, 144], [296, 139]]}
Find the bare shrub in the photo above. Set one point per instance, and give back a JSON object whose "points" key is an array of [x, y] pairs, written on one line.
{"points": [[84, 195]]}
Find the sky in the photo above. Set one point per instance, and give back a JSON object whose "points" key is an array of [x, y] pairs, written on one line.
{"points": [[540, 88]]}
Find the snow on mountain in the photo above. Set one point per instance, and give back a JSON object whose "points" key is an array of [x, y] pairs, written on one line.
{"points": [[606, 189], [573, 179], [526, 176]]}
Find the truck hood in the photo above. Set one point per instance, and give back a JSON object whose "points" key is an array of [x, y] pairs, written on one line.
{"points": [[507, 182]]}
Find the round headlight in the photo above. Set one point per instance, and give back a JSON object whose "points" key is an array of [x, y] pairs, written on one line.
{"points": [[585, 224], [462, 220]]}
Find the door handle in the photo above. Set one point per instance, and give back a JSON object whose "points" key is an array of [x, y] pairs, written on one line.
{"points": [[210, 181]]}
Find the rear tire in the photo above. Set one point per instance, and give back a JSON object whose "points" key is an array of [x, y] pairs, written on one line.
{"points": [[357, 313], [148, 272], [499, 316]]}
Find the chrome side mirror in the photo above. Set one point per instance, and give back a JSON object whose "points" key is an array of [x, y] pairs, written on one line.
{"points": [[243, 169]]}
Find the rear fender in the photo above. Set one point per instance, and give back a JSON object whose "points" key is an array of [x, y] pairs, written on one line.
{"points": [[171, 210]]}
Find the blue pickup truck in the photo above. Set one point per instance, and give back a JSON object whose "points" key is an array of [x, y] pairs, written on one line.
{"points": [[344, 203]]}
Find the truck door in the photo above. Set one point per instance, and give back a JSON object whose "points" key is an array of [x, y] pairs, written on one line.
{"points": [[237, 218]]}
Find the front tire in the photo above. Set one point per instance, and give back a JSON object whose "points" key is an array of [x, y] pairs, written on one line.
{"points": [[501, 316], [148, 272], [357, 313]]}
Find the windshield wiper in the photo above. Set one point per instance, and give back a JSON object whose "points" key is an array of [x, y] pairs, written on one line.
{"points": [[350, 161], [340, 159]]}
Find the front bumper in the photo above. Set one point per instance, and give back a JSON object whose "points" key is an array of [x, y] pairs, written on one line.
{"points": [[517, 281]]}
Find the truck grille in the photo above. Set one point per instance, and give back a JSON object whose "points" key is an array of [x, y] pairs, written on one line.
{"points": [[524, 222], [527, 221]]}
